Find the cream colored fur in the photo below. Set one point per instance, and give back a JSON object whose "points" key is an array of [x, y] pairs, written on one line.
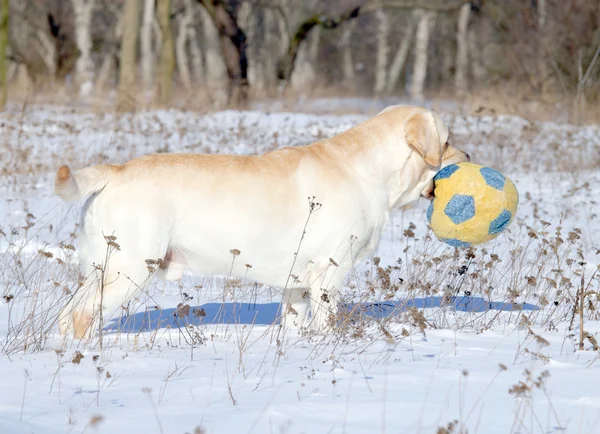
{"points": [[191, 211]]}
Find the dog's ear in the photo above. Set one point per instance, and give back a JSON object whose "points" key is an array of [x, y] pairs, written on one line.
{"points": [[422, 134]]}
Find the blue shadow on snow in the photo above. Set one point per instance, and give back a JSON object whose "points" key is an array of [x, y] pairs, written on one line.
{"points": [[267, 313]]}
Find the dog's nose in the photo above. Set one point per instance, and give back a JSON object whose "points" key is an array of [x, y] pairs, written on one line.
{"points": [[468, 157]]}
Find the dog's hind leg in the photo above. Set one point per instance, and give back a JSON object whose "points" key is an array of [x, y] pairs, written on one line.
{"points": [[112, 279], [102, 293]]}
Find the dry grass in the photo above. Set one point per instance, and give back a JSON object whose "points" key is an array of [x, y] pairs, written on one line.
{"points": [[545, 266]]}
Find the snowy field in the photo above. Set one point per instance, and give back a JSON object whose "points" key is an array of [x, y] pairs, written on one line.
{"points": [[431, 339]]}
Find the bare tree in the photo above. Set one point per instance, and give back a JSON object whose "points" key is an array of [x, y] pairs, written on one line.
{"points": [[383, 51], [426, 20], [479, 51], [84, 66], [166, 64], [301, 33], [233, 46], [111, 52], [325, 21], [47, 50], [249, 19], [399, 60], [544, 57], [146, 51], [181, 54], [126, 99], [462, 50], [217, 80], [304, 73], [347, 58], [197, 65], [3, 45], [195, 49], [263, 28], [39, 42]]}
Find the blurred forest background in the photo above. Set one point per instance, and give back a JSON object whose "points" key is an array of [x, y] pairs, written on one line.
{"points": [[213, 54]]}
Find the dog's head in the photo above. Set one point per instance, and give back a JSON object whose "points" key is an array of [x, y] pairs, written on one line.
{"points": [[426, 134]]}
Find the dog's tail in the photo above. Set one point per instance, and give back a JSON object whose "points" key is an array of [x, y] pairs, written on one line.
{"points": [[71, 186]]}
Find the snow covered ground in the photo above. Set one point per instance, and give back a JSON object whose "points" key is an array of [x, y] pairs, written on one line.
{"points": [[433, 340]]}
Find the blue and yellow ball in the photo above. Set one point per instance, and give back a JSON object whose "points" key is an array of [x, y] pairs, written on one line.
{"points": [[473, 204]]}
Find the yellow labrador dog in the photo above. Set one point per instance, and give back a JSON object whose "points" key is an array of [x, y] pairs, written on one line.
{"points": [[248, 216]]}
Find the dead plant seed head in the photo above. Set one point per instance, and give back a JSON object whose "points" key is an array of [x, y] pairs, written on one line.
{"points": [[182, 310], [96, 420], [77, 357]]}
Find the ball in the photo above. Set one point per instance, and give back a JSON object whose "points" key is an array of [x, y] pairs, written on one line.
{"points": [[472, 204]]}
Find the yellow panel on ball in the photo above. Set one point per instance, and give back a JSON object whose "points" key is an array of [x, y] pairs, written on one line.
{"points": [[472, 204]]}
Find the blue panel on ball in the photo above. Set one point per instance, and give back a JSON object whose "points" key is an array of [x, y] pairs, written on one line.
{"points": [[430, 211], [500, 222], [460, 208], [446, 172], [455, 243], [493, 178]]}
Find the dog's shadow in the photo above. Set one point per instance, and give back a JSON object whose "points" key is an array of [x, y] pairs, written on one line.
{"points": [[268, 313]]}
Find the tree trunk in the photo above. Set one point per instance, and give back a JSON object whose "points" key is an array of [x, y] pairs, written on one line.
{"points": [[198, 71], [195, 50], [108, 63], [446, 50], [302, 32], [304, 74], [479, 53], [383, 52], [402, 54], [544, 69], [250, 18], [157, 33], [421, 53], [167, 54], [181, 46], [273, 41], [264, 46], [3, 59], [233, 46], [46, 48], [127, 76], [347, 59], [217, 80], [84, 66], [462, 50], [105, 72], [146, 52]]}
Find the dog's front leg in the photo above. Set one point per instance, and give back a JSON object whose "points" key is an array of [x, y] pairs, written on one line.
{"points": [[295, 305], [325, 284], [79, 316], [324, 305]]}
